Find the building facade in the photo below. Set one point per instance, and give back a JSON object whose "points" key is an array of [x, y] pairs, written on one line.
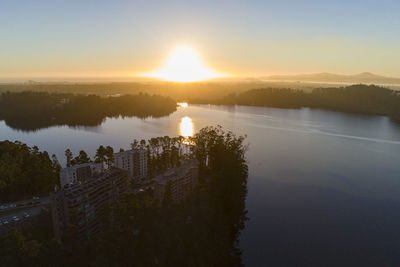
{"points": [[85, 205], [79, 173], [178, 182], [134, 161]]}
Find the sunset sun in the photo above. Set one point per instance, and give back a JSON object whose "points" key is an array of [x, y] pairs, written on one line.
{"points": [[184, 65]]}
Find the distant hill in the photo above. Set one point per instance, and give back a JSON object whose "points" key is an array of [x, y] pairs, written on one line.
{"points": [[364, 77]]}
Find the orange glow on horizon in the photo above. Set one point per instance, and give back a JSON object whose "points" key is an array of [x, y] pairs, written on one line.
{"points": [[184, 65]]}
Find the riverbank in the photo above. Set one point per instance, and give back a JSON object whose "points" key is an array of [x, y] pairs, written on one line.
{"points": [[361, 99]]}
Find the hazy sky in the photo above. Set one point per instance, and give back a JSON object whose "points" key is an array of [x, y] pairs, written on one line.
{"points": [[119, 38]]}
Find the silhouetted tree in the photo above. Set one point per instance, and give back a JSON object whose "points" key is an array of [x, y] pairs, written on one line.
{"points": [[81, 158], [25, 171], [109, 153], [69, 156], [17, 251], [100, 154]]}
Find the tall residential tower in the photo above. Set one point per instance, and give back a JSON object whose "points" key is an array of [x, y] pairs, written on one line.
{"points": [[84, 205], [134, 161]]}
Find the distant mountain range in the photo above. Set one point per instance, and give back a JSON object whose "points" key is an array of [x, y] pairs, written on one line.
{"points": [[364, 77]]}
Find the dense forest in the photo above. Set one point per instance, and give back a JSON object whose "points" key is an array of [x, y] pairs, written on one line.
{"points": [[201, 231], [209, 90], [365, 99], [35, 110], [25, 171]]}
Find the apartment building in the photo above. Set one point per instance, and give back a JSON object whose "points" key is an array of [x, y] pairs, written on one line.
{"points": [[179, 181], [134, 161], [85, 204], [79, 173]]}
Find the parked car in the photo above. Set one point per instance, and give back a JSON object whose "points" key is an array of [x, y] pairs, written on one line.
{"points": [[2, 207], [15, 219], [36, 198], [20, 204], [26, 215], [5, 222]]}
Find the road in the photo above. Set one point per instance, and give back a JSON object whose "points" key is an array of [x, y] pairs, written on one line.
{"points": [[32, 210]]}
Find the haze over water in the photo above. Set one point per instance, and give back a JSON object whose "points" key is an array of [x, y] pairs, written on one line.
{"points": [[323, 186]]}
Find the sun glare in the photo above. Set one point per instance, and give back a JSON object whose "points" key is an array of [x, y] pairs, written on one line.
{"points": [[183, 104], [184, 65]]}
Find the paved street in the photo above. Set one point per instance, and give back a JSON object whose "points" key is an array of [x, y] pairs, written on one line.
{"points": [[32, 210]]}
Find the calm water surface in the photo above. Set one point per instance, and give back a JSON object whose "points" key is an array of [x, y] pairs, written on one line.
{"points": [[323, 186]]}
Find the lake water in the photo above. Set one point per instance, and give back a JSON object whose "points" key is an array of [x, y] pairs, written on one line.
{"points": [[323, 186]]}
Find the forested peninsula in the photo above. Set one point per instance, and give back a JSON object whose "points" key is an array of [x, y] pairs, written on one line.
{"points": [[363, 99], [29, 111], [203, 230]]}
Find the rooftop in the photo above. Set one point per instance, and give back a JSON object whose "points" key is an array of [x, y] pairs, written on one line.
{"points": [[80, 166], [176, 171], [95, 178], [130, 151]]}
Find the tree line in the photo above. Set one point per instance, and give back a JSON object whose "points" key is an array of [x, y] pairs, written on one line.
{"points": [[162, 153], [103, 155], [35, 110], [25, 171], [364, 99]]}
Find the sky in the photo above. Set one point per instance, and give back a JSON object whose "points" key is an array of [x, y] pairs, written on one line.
{"points": [[51, 38]]}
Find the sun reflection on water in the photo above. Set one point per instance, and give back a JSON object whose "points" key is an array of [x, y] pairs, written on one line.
{"points": [[186, 127], [183, 104]]}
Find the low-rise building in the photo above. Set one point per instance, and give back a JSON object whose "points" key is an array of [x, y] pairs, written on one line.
{"points": [[84, 205], [134, 161], [178, 181], [79, 173]]}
